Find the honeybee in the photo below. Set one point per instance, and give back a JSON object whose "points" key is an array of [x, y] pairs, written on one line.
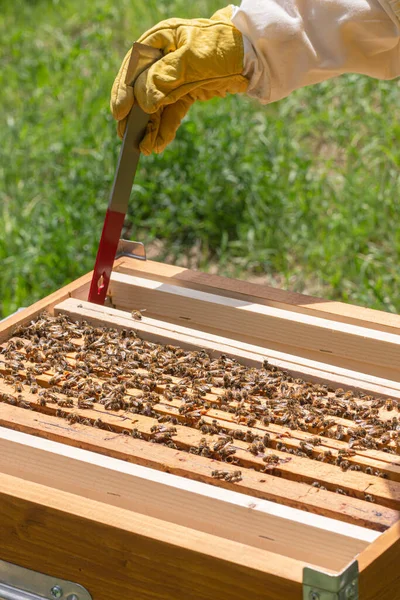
{"points": [[256, 448], [137, 314], [219, 474], [135, 433], [73, 418], [234, 477]]}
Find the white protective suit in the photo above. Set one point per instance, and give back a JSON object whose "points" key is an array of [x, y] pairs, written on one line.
{"points": [[289, 44]]}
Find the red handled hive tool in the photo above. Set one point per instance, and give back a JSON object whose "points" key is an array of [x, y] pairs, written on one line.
{"points": [[142, 58]]}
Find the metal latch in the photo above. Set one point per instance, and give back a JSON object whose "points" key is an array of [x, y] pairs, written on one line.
{"points": [[318, 585], [17, 583], [131, 249]]}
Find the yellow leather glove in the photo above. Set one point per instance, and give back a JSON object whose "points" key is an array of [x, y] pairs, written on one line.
{"points": [[202, 58]]}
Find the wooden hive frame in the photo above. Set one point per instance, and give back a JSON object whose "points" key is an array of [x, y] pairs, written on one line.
{"points": [[121, 516]]}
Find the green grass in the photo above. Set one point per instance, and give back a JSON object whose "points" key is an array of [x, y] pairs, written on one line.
{"points": [[303, 192]]}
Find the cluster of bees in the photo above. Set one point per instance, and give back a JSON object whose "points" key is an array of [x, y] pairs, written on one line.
{"points": [[75, 366]]}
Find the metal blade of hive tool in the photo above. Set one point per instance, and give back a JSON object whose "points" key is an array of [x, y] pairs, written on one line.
{"points": [[142, 58]]}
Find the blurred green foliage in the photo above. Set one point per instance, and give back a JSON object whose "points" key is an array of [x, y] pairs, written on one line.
{"points": [[304, 191]]}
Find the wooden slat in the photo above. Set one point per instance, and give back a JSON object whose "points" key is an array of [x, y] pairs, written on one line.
{"points": [[77, 289], [214, 397], [262, 294], [379, 461], [316, 540], [151, 329], [297, 469], [118, 553], [344, 345], [293, 438], [300, 469], [113, 317], [215, 394], [166, 333], [268, 487], [379, 567]]}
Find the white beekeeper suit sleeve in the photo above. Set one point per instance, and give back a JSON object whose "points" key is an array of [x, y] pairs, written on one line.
{"points": [[289, 44]]}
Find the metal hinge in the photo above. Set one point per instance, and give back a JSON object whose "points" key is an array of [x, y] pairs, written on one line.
{"points": [[17, 583], [318, 585], [131, 249]]}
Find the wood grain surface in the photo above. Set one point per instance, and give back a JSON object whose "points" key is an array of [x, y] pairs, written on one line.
{"points": [[317, 540], [163, 332], [379, 567], [117, 553], [262, 294], [269, 487], [341, 344]]}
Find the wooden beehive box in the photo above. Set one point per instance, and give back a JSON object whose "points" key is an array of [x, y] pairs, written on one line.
{"points": [[86, 497]]}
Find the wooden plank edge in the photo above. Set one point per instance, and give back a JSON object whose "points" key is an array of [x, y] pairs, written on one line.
{"points": [[155, 456], [375, 351], [314, 539], [263, 294], [385, 493], [166, 333], [377, 460], [79, 288], [171, 407], [76, 288], [117, 553], [379, 567]]}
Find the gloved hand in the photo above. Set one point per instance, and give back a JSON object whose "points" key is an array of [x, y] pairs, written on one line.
{"points": [[202, 58]]}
